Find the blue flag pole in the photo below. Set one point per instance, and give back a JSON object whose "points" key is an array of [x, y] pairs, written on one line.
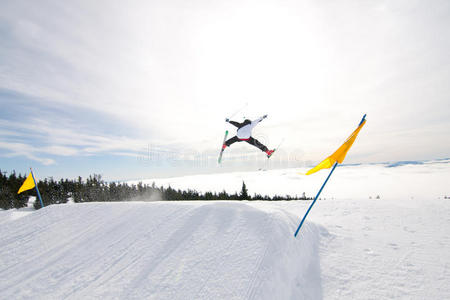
{"points": [[315, 199], [37, 189]]}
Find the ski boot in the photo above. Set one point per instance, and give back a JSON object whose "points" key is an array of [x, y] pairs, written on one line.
{"points": [[270, 152]]}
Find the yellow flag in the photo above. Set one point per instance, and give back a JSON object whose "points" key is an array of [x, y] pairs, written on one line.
{"points": [[339, 154], [27, 185]]}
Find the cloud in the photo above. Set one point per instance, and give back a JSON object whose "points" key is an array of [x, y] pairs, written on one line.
{"points": [[47, 140], [63, 141], [100, 77], [19, 149]]}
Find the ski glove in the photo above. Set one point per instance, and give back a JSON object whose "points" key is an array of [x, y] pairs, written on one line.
{"points": [[265, 116], [227, 120]]}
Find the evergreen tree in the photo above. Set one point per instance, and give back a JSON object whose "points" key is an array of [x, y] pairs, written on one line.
{"points": [[244, 193], [95, 189], [6, 197]]}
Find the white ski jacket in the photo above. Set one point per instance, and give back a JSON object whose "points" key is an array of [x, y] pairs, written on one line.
{"points": [[245, 132]]}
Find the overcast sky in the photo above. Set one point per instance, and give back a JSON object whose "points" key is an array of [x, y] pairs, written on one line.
{"points": [[101, 86]]}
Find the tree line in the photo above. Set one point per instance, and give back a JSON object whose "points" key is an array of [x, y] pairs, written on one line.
{"points": [[95, 189]]}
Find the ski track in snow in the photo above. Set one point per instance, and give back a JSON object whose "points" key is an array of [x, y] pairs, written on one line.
{"points": [[135, 250]]}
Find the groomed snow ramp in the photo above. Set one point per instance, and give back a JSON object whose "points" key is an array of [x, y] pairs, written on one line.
{"points": [[160, 250]]}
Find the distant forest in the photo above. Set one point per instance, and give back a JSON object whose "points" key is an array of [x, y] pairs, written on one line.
{"points": [[95, 189]]}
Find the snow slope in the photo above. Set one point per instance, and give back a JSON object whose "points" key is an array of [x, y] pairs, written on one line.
{"points": [[353, 245], [377, 249], [13, 214], [394, 247], [195, 250]]}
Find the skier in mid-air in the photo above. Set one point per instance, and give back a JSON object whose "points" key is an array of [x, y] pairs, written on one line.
{"points": [[244, 133]]}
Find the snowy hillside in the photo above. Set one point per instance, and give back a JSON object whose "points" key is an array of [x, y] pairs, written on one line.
{"points": [[353, 245], [158, 250]]}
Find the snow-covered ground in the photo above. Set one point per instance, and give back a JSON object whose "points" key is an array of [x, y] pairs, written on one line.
{"points": [[13, 214], [353, 246], [372, 249], [159, 250], [425, 180]]}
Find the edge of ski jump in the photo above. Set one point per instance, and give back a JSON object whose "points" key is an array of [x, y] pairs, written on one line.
{"points": [[161, 250]]}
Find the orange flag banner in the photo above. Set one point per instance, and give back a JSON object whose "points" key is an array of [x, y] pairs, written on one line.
{"points": [[340, 153], [28, 184]]}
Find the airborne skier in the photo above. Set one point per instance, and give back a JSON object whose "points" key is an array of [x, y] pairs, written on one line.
{"points": [[244, 133]]}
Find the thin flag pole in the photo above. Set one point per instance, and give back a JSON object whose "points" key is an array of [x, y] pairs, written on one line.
{"points": [[362, 120], [241, 108], [37, 189], [315, 199]]}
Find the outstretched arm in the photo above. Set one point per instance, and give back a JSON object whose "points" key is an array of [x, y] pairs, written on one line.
{"points": [[233, 123], [259, 120]]}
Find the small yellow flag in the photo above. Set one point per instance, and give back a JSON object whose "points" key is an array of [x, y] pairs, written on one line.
{"points": [[339, 154], [27, 185]]}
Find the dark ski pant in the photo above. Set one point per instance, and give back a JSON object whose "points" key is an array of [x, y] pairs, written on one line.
{"points": [[251, 141]]}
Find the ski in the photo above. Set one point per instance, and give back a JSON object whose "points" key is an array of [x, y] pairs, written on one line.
{"points": [[221, 151], [275, 149]]}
